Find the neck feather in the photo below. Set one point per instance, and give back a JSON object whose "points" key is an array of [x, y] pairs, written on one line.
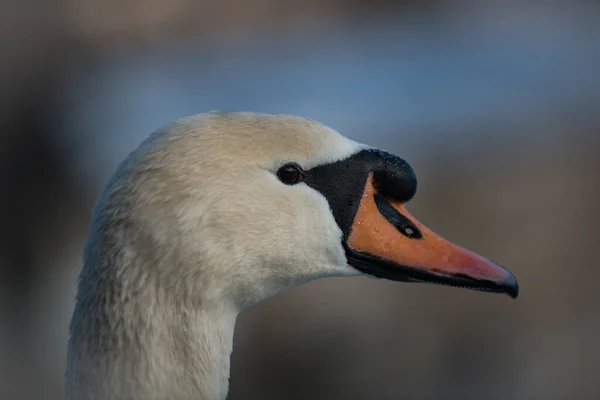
{"points": [[127, 345]]}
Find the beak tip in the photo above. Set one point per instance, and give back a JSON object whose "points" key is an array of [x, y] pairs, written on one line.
{"points": [[512, 287]]}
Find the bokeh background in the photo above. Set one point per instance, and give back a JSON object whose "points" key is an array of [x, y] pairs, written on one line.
{"points": [[494, 102]]}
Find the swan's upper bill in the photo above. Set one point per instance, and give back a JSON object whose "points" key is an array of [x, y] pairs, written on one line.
{"points": [[219, 211], [366, 193]]}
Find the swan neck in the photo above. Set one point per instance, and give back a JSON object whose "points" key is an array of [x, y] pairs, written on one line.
{"points": [[149, 350]]}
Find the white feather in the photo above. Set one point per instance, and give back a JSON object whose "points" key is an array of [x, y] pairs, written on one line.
{"points": [[193, 227]]}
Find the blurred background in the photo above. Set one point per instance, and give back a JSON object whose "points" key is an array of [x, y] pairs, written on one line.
{"points": [[494, 103]]}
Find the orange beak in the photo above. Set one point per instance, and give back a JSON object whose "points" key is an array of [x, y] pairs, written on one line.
{"points": [[386, 241]]}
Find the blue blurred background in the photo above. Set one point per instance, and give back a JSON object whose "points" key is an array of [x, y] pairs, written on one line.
{"points": [[496, 104]]}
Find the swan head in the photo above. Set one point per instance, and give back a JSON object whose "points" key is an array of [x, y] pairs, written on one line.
{"points": [[238, 207]]}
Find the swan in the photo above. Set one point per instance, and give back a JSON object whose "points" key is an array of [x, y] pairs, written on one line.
{"points": [[219, 211]]}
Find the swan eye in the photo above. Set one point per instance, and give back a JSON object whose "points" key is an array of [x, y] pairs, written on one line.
{"points": [[290, 174]]}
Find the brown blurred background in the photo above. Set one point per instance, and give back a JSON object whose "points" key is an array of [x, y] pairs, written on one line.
{"points": [[495, 103]]}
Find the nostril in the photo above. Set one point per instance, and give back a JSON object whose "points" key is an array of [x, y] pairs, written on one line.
{"points": [[408, 231], [400, 222]]}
